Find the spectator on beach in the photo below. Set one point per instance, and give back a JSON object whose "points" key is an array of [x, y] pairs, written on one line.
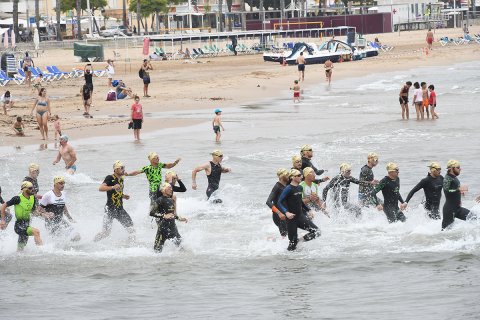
{"points": [[137, 117], [37, 83], [88, 75], [18, 127], [425, 101], [432, 101], [429, 39], [328, 70], [110, 68], [146, 66], [7, 101], [217, 124], [42, 106], [57, 126], [123, 91], [86, 99], [301, 67], [403, 98], [417, 100], [234, 44], [27, 63]]}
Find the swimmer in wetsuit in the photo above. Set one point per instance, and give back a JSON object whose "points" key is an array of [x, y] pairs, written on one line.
{"points": [[306, 153], [453, 195], [390, 187], [366, 174], [290, 203], [33, 172], [310, 192], [432, 186], [340, 185], [214, 171], [163, 209], [278, 217], [8, 215]]}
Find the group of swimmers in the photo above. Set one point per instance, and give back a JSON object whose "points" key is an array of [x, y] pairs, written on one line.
{"points": [[296, 196], [53, 209], [424, 100]]}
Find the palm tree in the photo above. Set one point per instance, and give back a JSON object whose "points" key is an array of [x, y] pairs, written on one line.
{"points": [[15, 18], [37, 13], [220, 14], [58, 9], [79, 23]]}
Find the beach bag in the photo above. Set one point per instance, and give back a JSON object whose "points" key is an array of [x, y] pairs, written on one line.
{"points": [[111, 96], [140, 73], [115, 83]]}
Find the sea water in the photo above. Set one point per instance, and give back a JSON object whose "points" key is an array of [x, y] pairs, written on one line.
{"points": [[232, 263]]}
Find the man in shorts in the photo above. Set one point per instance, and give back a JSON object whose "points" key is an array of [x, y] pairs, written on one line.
{"points": [[429, 39], [328, 70], [68, 154], [301, 67], [146, 66], [113, 186], [403, 99]]}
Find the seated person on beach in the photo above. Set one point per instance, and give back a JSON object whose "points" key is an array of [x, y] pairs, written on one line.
{"points": [[37, 83], [123, 91], [19, 127], [7, 101], [378, 41]]}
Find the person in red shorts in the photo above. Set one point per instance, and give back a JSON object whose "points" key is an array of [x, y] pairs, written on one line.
{"points": [[296, 91], [429, 39], [432, 101]]}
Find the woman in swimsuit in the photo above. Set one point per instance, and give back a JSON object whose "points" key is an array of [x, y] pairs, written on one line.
{"points": [[42, 104]]}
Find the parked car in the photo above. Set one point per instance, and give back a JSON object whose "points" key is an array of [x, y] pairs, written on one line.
{"points": [[112, 31]]}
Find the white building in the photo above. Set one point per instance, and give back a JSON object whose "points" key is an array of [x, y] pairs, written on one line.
{"points": [[404, 11]]}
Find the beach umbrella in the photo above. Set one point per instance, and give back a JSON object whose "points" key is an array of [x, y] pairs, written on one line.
{"points": [[13, 39], [5, 39], [36, 39]]}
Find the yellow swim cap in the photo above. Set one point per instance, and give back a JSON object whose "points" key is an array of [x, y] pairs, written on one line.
{"points": [[26, 185], [282, 172], [294, 172], [372, 155], [33, 167], [296, 158], [169, 174], [152, 155], [307, 171], [452, 164], [306, 148], [217, 153], [164, 186], [58, 179], [345, 167], [392, 167], [117, 164], [434, 165]]}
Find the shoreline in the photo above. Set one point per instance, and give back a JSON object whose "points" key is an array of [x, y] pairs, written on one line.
{"points": [[223, 82]]}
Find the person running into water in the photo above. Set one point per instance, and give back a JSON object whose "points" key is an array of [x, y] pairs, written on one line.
{"points": [[403, 98], [366, 174], [310, 192], [19, 127], [432, 101], [291, 205], [153, 171], [296, 91], [432, 186], [418, 100], [301, 67], [340, 185], [54, 202], [42, 106], [164, 210], [214, 170], [425, 100], [453, 195], [306, 153], [328, 70], [217, 124], [137, 118], [278, 217], [33, 172], [25, 205], [146, 66], [8, 215], [68, 154], [57, 126], [390, 187], [172, 178], [113, 186]]}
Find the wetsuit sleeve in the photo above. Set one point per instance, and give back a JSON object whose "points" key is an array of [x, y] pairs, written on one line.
{"points": [[377, 189], [415, 189], [180, 188], [447, 182], [1, 200], [109, 181], [282, 197], [328, 187], [15, 200], [356, 181], [273, 195], [317, 171], [308, 163]]}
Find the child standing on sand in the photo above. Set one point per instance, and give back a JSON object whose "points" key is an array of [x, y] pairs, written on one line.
{"points": [[19, 127], [56, 126], [217, 124], [296, 91]]}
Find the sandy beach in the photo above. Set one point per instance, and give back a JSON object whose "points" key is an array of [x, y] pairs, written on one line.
{"points": [[205, 83]]}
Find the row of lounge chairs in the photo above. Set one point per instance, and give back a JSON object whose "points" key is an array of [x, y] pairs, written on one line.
{"points": [[379, 46], [207, 51], [52, 73], [466, 39]]}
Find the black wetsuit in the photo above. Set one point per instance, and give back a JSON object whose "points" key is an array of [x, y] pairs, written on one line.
{"points": [[167, 229], [433, 194], [214, 178], [290, 200], [365, 189], [180, 188], [340, 186], [391, 195], [114, 207], [453, 201], [272, 201], [307, 163]]}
